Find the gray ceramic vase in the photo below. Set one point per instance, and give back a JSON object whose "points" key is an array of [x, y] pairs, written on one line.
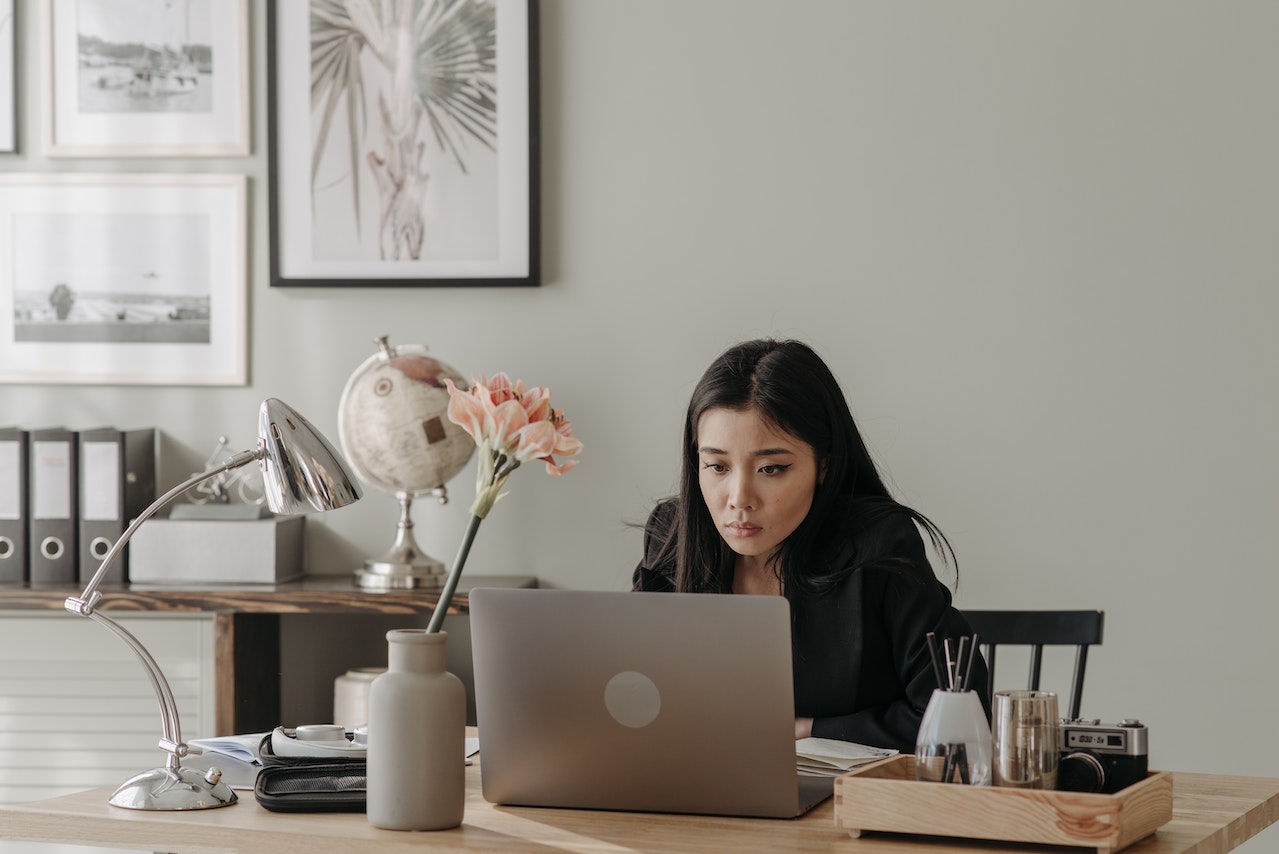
{"points": [[417, 733]]}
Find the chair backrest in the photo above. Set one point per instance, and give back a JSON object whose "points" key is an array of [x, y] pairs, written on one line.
{"points": [[1037, 629]]}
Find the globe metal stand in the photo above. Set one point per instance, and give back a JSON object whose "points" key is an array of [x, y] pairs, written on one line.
{"points": [[405, 566]]}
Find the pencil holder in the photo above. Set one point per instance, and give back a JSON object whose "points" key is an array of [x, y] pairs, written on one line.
{"points": [[1024, 734], [954, 744]]}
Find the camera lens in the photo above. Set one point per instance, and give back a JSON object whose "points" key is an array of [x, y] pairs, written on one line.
{"points": [[1080, 772]]}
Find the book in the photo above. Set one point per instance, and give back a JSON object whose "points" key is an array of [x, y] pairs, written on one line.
{"points": [[241, 747], [236, 756]]}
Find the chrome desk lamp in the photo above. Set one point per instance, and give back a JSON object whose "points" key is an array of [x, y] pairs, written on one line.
{"points": [[302, 473]]}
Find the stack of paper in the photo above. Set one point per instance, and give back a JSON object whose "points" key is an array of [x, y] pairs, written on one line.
{"points": [[827, 757]]}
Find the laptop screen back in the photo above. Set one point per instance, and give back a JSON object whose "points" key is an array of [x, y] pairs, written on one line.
{"points": [[660, 702]]}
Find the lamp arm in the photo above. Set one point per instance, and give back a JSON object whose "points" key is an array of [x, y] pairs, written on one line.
{"points": [[86, 604], [172, 728]]}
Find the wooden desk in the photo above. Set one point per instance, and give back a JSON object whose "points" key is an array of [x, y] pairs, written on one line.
{"points": [[1211, 814], [246, 625]]}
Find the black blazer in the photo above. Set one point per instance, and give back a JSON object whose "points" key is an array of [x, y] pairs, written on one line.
{"points": [[861, 665]]}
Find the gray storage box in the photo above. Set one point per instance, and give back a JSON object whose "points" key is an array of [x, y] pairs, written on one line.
{"points": [[217, 551]]}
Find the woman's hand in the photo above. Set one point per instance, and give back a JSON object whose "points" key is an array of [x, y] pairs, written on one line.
{"points": [[803, 728]]}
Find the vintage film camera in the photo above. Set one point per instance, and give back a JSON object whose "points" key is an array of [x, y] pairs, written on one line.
{"points": [[1097, 757]]}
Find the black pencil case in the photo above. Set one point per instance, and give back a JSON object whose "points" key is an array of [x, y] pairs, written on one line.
{"points": [[320, 787], [310, 784]]}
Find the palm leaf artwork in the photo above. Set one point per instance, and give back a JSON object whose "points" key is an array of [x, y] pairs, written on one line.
{"points": [[455, 69], [441, 56]]}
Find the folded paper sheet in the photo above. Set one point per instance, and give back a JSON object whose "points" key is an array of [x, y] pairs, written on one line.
{"points": [[827, 757]]}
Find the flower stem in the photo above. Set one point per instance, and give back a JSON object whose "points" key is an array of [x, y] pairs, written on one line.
{"points": [[450, 583]]}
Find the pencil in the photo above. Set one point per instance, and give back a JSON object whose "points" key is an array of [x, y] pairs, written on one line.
{"points": [[950, 665], [972, 653], [932, 653]]}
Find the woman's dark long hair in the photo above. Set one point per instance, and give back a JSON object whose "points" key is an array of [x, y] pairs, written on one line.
{"points": [[793, 390]]}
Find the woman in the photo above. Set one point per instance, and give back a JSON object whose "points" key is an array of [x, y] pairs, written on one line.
{"points": [[778, 495]]}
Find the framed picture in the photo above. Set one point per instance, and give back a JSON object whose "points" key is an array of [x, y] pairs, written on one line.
{"points": [[8, 82], [123, 279], [144, 78], [403, 152]]}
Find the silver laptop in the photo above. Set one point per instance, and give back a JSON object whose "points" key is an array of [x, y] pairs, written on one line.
{"points": [[659, 702]]}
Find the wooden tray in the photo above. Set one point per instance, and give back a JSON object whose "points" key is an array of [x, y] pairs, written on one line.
{"points": [[885, 796]]}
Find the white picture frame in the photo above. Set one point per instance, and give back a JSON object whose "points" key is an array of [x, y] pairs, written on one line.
{"points": [[8, 79], [125, 279], [146, 78], [378, 184]]}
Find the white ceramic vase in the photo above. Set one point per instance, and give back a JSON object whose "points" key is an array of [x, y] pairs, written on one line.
{"points": [[417, 732]]}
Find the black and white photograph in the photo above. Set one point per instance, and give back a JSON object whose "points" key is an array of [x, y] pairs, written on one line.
{"points": [[8, 82], [133, 60], [402, 143], [129, 279], [135, 278], [148, 77]]}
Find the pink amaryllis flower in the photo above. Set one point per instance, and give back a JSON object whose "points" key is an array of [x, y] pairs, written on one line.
{"points": [[511, 425]]}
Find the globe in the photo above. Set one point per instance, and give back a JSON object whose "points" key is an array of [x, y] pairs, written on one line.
{"points": [[394, 430]]}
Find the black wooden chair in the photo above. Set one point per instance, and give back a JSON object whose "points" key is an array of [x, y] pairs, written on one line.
{"points": [[1038, 629]]}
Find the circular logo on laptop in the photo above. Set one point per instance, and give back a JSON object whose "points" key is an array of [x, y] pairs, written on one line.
{"points": [[632, 699]]}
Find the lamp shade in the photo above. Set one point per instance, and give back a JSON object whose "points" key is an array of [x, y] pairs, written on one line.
{"points": [[301, 471]]}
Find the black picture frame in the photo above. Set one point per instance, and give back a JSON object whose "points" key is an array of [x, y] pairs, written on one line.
{"points": [[331, 225]]}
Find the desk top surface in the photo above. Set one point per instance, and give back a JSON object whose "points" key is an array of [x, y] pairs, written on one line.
{"points": [[1211, 814]]}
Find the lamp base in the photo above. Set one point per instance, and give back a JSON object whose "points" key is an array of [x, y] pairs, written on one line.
{"points": [[386, 574], [180, 789]]}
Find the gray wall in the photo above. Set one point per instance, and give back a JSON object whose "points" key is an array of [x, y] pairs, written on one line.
{"points": [[1035, 240]]}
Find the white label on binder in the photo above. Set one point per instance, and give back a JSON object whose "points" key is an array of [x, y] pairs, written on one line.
{"points": [[10, 474], [51, 480], [100, 467]]}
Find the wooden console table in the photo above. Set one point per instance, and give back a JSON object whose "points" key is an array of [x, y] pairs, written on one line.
{"points": [[246, 625]]}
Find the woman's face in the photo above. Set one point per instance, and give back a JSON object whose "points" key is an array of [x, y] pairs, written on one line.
{"points": [[757, 481]]}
